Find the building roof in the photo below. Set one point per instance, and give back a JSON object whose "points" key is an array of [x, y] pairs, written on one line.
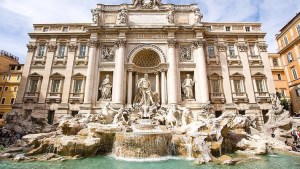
{"points": [[9, 55], [297, 14]]}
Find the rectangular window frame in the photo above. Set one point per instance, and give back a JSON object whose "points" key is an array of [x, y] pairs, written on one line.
{"points": [[289, 57], [294, 73], [41, 51], [3, 100]]}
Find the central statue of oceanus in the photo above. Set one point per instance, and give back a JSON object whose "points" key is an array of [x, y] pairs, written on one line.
{"points": [[145, 99]]}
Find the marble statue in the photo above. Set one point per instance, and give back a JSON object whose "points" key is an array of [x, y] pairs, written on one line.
{"points": [[119, 117], [198, 16], [107, 113], [144, 89], [172, 115], [122, 17], [105, 88], [187, 87], [95, 16], [171, 16], [185, 119], [146, 3]]}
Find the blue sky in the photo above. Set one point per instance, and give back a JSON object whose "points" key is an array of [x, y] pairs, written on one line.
{"points": [[17, 16]]}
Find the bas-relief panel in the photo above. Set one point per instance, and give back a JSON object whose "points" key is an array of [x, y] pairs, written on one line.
{"points": [[150, 18], [146, 36]]}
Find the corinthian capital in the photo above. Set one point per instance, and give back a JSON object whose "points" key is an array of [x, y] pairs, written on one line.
{"points": [[199, 43], [72, 47], [31, 47], [93, 43], [52, 47], [172, 43], [263, 47], [221, 47], [120, 43], [242, 47]]}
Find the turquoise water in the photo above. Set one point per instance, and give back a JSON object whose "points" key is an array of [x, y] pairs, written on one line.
{"points": [[106, 162]]}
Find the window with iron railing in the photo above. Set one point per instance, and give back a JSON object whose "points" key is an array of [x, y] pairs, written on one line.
{"points": [[82, 51], [61, 50], [55, 86], [41, 50], [231, 50], [211, 50], [33, 85]]}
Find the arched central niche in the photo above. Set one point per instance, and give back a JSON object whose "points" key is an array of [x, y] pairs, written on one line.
{"points": [[146, 58]]}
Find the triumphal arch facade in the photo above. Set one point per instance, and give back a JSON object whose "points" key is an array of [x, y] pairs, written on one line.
{"points": [[146, 54]]}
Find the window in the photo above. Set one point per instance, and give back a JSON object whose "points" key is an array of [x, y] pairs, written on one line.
{"points": [[15, 89], [247, 29], [18, 77], [294, 72], [9, 77], [41, 50], [65, 29], [46, 29], [211, 50], [227, 28], [3, 100], [252, 50], [242, 112], [238, 86], [298, 29], [286, 40], [61, 51], [3, 77], [275, 62], [231, 50], [259, 85], [33, 86], [12, 67], [208, 28], [82, 51], [55, 86], [19, 68], [290, 57], [1, 88], [279, 77], [298, 92], [12, 100], [1, 115], [6, 89], [78, 86], [215, 86], [282, 92]]}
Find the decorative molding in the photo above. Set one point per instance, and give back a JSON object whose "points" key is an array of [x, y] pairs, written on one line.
{"points": [[72, 47], [237, 27], [31, 47], [51, 47], [263, 47], [120, 43], [242, 47], [218, 27], [222, 47], [155, 48]]}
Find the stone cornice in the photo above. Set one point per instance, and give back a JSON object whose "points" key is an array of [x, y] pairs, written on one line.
{"points": [[172, 43], [31, 47], [94, 43]]}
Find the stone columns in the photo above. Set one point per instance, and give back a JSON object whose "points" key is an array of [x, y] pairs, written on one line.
{"points": [[89, 87], [136, 80], [172, 73], [118, 82], [129, 88], [201, 85], [157, 82], [163, 87]]}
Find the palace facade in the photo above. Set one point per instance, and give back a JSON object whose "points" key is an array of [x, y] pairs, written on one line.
{"points": [[79, 67]]}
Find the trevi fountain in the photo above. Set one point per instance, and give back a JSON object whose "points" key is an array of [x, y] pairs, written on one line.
{"points": [[152, 130]]}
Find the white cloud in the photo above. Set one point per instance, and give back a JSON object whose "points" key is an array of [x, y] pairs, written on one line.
{"points": [[19, 15]]}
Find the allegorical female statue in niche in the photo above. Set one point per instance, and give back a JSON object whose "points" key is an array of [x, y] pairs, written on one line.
{"points": [[105, 88], [187, 87]]}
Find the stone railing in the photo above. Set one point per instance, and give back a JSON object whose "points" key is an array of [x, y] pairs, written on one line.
{"points": [[60, 59], [212, 58], [54, 97], [262, 97], [234, 59], [81, 60], [76, 97], [39, 60], [217, 97]]}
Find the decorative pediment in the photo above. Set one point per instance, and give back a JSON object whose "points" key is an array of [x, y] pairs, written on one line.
{"points": [[34, 75], [78, 75], [237, 76], [56, 74], [259, 75]]}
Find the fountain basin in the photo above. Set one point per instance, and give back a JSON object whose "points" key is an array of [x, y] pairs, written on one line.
{"points": [[142, 144]]}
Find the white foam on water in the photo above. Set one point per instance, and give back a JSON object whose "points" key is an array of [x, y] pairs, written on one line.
{"points": [[147, 159]]}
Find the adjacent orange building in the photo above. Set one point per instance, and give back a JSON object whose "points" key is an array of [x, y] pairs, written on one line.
{"points": [[288, 42], [280, 79]]}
